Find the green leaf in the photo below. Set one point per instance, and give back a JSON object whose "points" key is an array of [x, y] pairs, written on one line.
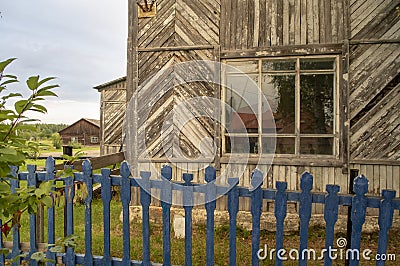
{"points": [[45, 80], [47, 201], [5, 63], [39, 108], [47, 93], [21, 105], [8, 151], [11, 95], [33, 82]]}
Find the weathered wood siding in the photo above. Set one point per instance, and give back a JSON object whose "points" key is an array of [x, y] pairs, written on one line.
{"points": [[182, 31], [112, 114], [261, 23], [374, 81], [81, 131]]}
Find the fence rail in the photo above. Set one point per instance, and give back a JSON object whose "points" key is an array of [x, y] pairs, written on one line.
{"points": [[358, 202]]}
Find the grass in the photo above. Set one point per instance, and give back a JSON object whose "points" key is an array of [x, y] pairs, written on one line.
{"points": [[221, 247]]}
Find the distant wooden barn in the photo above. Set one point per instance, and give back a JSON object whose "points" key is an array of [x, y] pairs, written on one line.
{"points": [[84, 131], [112, 113], [332, 67]]}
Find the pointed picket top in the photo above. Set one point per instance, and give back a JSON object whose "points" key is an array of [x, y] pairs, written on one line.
{"points": [[256, 179], [50, 164], [388, 194], [361, 185], [332, 189], [210, 174], [124, 169], [166, 172], [31, 168], [306, 181], [281, 186], [188, 178], [14, 170], [86, 168], [145, 175]]}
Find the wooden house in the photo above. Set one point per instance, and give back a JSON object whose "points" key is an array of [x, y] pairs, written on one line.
{"points": [[84, 131], [112, 111], [339, 61]]}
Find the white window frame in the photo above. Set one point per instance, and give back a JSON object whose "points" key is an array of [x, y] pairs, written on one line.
{"points": [[336, 110]]}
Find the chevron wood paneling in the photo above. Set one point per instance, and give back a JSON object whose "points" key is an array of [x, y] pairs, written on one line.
{"points": [[157, 96], [374, 81], [181, 23]]}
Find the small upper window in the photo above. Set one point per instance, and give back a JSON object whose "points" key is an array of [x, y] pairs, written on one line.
{"points": [[301, 93], [94, 139]]}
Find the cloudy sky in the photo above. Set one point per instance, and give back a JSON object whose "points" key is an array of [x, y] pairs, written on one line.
{"points": [[81, 42]]}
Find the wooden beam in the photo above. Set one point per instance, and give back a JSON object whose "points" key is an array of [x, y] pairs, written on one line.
{"points": [[98, 162], [374, 41], [176, 48]]}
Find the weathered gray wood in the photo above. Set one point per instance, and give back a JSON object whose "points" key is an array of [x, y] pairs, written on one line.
{"points": [[286, 22]]}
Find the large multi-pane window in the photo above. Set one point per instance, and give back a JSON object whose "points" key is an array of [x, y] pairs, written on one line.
{"points": [[302, 95]]}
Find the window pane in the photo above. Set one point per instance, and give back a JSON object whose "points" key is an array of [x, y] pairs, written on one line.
{"points": [[317, 64], [316, 103], [276, 65], [316, 146], [243, 66], [242, 97], [280, 93], [241, 144], [283, 145]]}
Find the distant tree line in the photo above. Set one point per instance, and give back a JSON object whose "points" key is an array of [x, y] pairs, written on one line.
{"points": [[42, 132]]}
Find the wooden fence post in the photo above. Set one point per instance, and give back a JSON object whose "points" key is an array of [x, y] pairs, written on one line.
{"points": [[125, 194], [359, 210], [166, 199], [331, 216], [280, 211], [210, 199], [306, 183], [87, 177], [256, 209], [386, 211], [233, 208]]}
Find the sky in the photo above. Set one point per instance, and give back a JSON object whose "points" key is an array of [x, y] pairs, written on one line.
{"points": [[80, 42]]}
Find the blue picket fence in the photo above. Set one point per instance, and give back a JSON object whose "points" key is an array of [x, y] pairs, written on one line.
{"points": [[359, 202]]}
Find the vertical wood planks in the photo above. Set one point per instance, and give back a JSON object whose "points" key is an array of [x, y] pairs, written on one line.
{"points": [[306, 184], [210, 205], [69, 200], [145, 200], [166, 200], [233, 208], [51, 238], [385, 221], [125, 194], [188, 206], [280, 215], [331, 216], [256, 208], [87, 177], [32, 182], [106, 197], [358, 213]]}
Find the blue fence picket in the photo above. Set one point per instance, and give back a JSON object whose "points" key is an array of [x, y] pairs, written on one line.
{"points": [[188, 206], [51, 235], [331, 217], [125, 199], [385, 223], [69, 203], [166, 199], [358, 213], [256, 209], [210, 199], [145, 200], [32, 182], [2, 257], [280, 214], [106, 197], [87, 177], [306, 183], [233, 208], [16, 249]]}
